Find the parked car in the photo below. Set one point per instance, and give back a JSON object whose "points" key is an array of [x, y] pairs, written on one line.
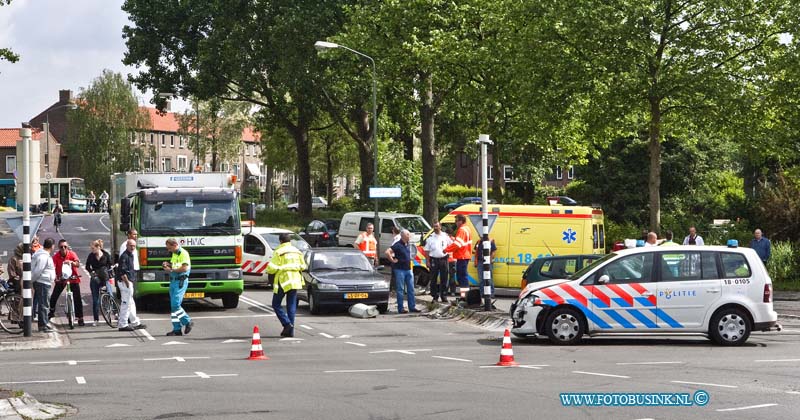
{"points": [[465, 200], [341, 277], [258, 245], [556, 267], [723, 293], [316, 203], [356, 222], [321, 233]]}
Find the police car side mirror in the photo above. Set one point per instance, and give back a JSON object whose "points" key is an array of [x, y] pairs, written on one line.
{"points": [[604, 279]]}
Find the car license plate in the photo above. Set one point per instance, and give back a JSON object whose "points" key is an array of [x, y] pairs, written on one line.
{"points": [[194, 295], [356, 295]]}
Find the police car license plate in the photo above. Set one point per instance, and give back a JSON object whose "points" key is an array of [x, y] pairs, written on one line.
{"points": [[194, 295], [356, 295]]}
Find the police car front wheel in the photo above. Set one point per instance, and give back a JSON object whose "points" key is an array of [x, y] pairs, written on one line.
{"points": [[565, 326], [730, 327]]}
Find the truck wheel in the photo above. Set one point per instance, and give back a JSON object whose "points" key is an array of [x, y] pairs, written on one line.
{"points": [[230, 301], [313, 305], [729, 327], [565, 326]]}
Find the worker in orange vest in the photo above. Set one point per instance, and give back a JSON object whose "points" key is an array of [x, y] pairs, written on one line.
{"points": [[462, 252], [367, 243]]}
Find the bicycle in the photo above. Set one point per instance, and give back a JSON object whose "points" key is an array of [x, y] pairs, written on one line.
{"points": [[11, 320], [69, 306], [109, 307]]}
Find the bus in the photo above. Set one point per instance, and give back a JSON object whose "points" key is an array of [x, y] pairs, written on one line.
{"points": [[70, 192]]}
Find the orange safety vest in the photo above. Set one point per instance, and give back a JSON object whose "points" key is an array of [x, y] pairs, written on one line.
{"points": [[462, 244], [367, 245]]}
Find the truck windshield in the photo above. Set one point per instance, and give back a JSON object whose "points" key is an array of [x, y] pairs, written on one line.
{"points": [[190, 217]]}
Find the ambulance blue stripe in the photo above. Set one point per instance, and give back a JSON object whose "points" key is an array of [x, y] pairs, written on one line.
{"points": [[619, 318], [648, 323], [598, 302], [589, 314], [644, 301], [666, 318], [622, 302]]}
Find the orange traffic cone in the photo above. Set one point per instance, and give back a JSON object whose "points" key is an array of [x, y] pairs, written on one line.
{"points": [[506, 352], [256, 352]]}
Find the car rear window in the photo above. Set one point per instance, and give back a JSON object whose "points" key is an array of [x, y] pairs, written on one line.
{"points": [[734, 265]]}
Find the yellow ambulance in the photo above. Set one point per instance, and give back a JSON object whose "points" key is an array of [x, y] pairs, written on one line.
{"points": [[524, 233]]}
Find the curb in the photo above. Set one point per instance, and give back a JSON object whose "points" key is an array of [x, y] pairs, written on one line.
{"points": [[497, 321], [27, 407], [42, 341]]}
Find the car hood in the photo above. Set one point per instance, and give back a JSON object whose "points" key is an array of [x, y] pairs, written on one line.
{"points": [[540, 285], [346, 277]]}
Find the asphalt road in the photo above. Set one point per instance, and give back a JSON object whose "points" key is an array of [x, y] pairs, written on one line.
{"points": [[391, 367]]}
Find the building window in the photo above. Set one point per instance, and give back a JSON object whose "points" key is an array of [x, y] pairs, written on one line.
{"points": [[571, 172], [152, 139], [182, 163], [236, 169], [284, 180], [223, 167], [559, 174], [11, 164], [172, 141], [142, 138], [181, 141], [166, 164], [508, 173], [163, 140], [247, 150], [148, 164], [133, 138], [490, 173]]}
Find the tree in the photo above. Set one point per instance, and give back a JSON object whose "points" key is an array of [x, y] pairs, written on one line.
{"points": [[101, 128], [6, 53], [220, 134], [257, 52], [664, 67]]}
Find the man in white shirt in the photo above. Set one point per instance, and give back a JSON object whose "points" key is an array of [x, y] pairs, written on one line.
{"points": [[693, 238], [132, 234], [437, 261], [652, 239]]}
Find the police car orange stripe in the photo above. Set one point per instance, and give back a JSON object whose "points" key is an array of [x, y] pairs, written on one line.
{"points": [[639, 288], [574, 293], [553, 295], [602, 297], [624, 297]]}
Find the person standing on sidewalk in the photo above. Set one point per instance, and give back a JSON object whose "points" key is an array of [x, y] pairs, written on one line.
{"points": [[67, 262], [287, 264], [761, 245], [479, 264], [43, 273], [178, 267], [400, 256], [132, 234], [693, 238], [367, 243], [462, 252], [128, 321], [437, 261]]}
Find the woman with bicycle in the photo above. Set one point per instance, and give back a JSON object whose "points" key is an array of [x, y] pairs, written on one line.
{"points": [[67, 264], [97, 264], [58, 210]]}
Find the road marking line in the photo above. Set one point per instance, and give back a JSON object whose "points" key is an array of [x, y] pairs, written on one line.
{"points": [[515, 366], [147, 334], [291, 339], [80, 379], [355, 344], [452, 358], [326, 335], [704, 384], [360, 371], [118, 345], [177, 358], [173, 343], [649, 363], [411, 352], [211, 317], [747, 408], [793, 392], [257, 304], [778, 360], [68, 362], [233, 340], [32, 382], [101, 222], [344, 336], [601, 374], [201, 375], [305, 326]]}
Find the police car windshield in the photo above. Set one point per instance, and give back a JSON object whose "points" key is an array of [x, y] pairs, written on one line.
{"points": [[591, 266], [273, 241], [190, 216], [413, 224]]}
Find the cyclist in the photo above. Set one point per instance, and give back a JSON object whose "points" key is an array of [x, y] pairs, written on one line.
{"points": [[15, 271], [58, 210], [98, 263], [91, 202], [67, 263], [104, 202]]}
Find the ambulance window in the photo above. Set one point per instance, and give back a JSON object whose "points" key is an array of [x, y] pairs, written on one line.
{"points": [[602, 236], [631, 269], [595, 237], [253, 246], [734, 265]]}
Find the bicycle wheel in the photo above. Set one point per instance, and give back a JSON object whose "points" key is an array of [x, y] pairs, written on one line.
{"points": [[109, 309], [10, 316], [70, 303]]}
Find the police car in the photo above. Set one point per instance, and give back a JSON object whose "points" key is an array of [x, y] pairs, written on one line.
{"points": [[721, 292]]}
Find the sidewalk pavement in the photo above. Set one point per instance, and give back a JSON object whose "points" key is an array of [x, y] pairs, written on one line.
{"points": [[27, 407]]}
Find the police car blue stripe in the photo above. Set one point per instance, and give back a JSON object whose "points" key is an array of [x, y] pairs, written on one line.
{"points": [[619, 318], [644, 301], [666, 318], [622, 302], [598, 302], [589, 314], [648, 323], [549, 302]]}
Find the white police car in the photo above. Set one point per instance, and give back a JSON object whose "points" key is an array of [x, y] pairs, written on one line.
{"points": [[721, 292]]}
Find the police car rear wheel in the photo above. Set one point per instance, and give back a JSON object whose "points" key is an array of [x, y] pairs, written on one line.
{"points": [[565, 326], [730, 327]]}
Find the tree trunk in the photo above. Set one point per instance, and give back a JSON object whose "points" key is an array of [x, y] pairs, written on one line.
{"points": [[655, 164], [366, 161], [329, 170], [497, 174], [430, 209], [407, 137], [300, 135], [268, 188]]}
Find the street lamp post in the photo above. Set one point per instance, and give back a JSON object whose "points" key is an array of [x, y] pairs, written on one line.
{"points": [[47, 146], [324, 45]]}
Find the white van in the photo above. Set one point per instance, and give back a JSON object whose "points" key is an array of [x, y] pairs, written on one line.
{"points": [[356, 222], [258, 245]]}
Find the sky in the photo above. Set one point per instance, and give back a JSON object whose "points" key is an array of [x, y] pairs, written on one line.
{"points": [[63, 44]]}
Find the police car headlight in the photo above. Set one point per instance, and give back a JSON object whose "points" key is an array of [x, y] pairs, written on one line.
{"points": [[148, 276], [381, 285], [327, 286], [234, 274]]}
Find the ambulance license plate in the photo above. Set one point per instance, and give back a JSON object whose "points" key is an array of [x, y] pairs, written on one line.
{"points": [[356, 295], [194, 295]]}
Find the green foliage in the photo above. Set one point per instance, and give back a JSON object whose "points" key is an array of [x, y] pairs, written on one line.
{"points": [[393, 170], [778, 208], [101, 128], [347, 204], [291, 220], [221, 125], [620, 231], [784, 265]]}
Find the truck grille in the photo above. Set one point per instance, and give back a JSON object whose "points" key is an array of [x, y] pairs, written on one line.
{"points": [[200, 257]]}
